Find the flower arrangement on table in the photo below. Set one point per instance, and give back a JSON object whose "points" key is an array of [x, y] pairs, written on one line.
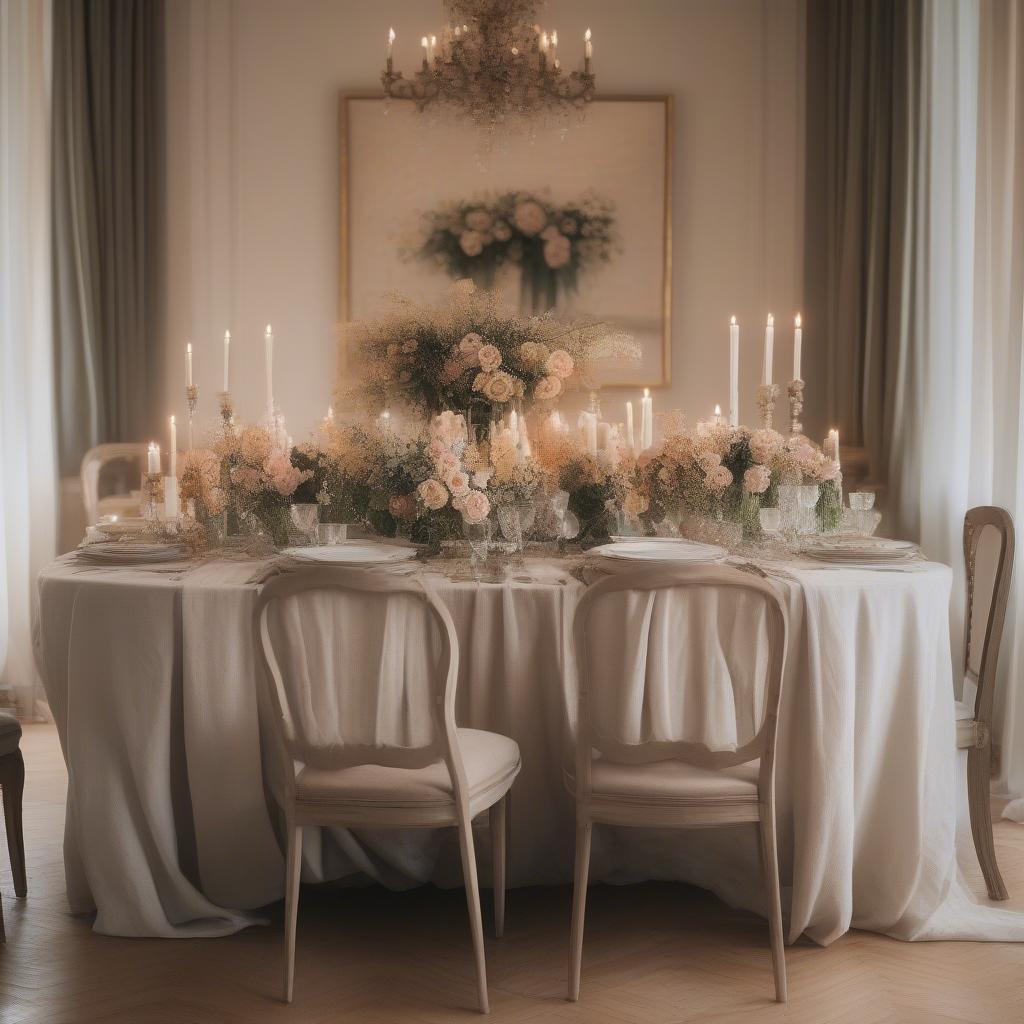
{"points": [[474, 354], [715, 471], [551, 244]]}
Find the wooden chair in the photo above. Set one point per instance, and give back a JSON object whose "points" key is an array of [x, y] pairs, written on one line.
{"points": [[357, 780], [93, 463], [12, 782], [988, 552], [676, 784]]}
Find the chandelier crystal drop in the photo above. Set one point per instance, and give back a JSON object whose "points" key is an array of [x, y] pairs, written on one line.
{"points": [[494, 64]]}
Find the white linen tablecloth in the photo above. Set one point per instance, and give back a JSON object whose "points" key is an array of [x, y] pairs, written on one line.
{"points": [[170, 830]]}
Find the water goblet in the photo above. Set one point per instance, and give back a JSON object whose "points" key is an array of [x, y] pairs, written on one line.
{"points": [[807, 496], [332, 534], [306, 518], [479, 537], [771, 520], [862, 501]]}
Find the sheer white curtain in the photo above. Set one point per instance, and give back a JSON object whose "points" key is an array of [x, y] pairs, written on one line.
{"points": [[997, 392], [27, 458]]}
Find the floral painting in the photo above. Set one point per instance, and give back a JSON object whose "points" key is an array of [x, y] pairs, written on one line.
{"points": [[576, 223], [550, 243]]}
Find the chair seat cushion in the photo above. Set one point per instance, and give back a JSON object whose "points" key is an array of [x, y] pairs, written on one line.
{"points": [[10, 733], [491, 762], [672, 782]]}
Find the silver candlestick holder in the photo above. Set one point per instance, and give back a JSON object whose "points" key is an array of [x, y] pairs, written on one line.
{"points": [[192, 397], [796, 406], [227, 408], [766, 395]]}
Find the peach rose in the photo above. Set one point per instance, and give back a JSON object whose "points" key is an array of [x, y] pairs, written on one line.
{"points": [[718, 478], [560, 364], [433, 494], [529, 217], [547, 388], [479, 220], [499, 387], [475, 507], [458, 483], [490, 358], [471, 243], [756, 480]]}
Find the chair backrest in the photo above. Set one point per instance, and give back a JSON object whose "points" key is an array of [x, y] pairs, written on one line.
{"points": [[92, 466], [988, 554], [358, 668], [716, 595]]}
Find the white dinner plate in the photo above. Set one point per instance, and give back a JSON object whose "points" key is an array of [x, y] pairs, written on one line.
{"points": [[861, 549], [353, 553], [661, 549], [113, 553]]}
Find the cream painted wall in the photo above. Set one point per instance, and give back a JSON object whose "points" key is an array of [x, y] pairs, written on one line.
{"points": [[253, 178]]}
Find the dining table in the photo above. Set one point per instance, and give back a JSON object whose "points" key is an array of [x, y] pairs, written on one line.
{"points": [[151, 676]]}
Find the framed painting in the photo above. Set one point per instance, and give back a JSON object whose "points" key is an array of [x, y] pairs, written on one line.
{"points": [[578, 221]]}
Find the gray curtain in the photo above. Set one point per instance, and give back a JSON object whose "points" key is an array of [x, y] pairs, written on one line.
{"points": [[861, 86], [107, 188]]}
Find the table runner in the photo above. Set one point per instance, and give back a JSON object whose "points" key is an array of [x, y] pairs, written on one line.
{"points": [[867, 790]]}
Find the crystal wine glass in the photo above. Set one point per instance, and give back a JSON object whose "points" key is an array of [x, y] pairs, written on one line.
{"points": [[479, 537], [807, 496]]}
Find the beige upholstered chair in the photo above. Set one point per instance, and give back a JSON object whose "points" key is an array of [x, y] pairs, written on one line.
{"points": [[988, 552], [338, 765], [668, 783], [12, 782], [93, 462]]}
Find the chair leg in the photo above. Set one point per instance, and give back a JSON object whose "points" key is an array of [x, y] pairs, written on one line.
{"points": [[476, 925], [979, 770], [584, 831], [770, 874], [293, 871], [499, 854], [12, 780]]}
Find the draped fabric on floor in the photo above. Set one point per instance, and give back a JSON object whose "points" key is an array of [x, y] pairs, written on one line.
{"points": [[27, 469]]}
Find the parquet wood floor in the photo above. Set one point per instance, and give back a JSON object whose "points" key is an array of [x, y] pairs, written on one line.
{"points": [[654, 954]]}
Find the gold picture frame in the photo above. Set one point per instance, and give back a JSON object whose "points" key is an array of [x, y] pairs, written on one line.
{"points": [[345, 164]]}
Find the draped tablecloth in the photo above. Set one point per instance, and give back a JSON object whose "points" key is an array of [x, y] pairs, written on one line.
{"points": [[170, 830]]}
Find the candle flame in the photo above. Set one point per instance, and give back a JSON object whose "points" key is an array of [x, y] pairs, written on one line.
{"points": [[188, 348], [647, 392], [718, 410], [586, 35], [771, 320], [391, 35], [172, 420], [732, 321], [330, 412], [433, 40], [544, 41], [424, 42], [515, 51], [797, 321], [268, 330], [554, 37], [227, 335]]}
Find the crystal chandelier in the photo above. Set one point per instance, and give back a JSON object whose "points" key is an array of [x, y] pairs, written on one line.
{"points": [[493, 63]]}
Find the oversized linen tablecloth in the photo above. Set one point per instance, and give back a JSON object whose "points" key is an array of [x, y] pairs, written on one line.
{"points": [[170, 832]]}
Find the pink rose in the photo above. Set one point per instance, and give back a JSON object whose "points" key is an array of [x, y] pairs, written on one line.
{"points": [[529, 217], [475, 507], [458, 483], [718, 478], [471, 243], [478, 220], [490, 358], [547, 388], [756, 480], [560, 364], [446, 464], [433, 494], [557, 252], [765, 444]]}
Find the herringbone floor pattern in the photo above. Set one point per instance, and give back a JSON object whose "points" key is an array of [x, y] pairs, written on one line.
{"points": [[654, 954]]}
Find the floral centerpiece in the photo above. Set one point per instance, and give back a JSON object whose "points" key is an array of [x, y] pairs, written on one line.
{"points": [[716, 471], [262, 480], [474, 354], [550, 243]]}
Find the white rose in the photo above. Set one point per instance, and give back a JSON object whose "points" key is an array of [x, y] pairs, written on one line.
{"points": [[490, 358]]}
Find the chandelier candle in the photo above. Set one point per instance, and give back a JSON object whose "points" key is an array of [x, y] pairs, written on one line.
{"points": [[646, 420], [798, 340], [227, 360], [588, 51], [630, 436], [734, 373], [173, 457]]}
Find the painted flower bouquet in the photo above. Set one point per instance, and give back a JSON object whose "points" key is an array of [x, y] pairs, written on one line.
{"points": [[474, 354], [552, 244]]}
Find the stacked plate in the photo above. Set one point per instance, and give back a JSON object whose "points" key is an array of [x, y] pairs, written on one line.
{"points": [[664, 550], [356, 554], [127, 553], [861, 550]]}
